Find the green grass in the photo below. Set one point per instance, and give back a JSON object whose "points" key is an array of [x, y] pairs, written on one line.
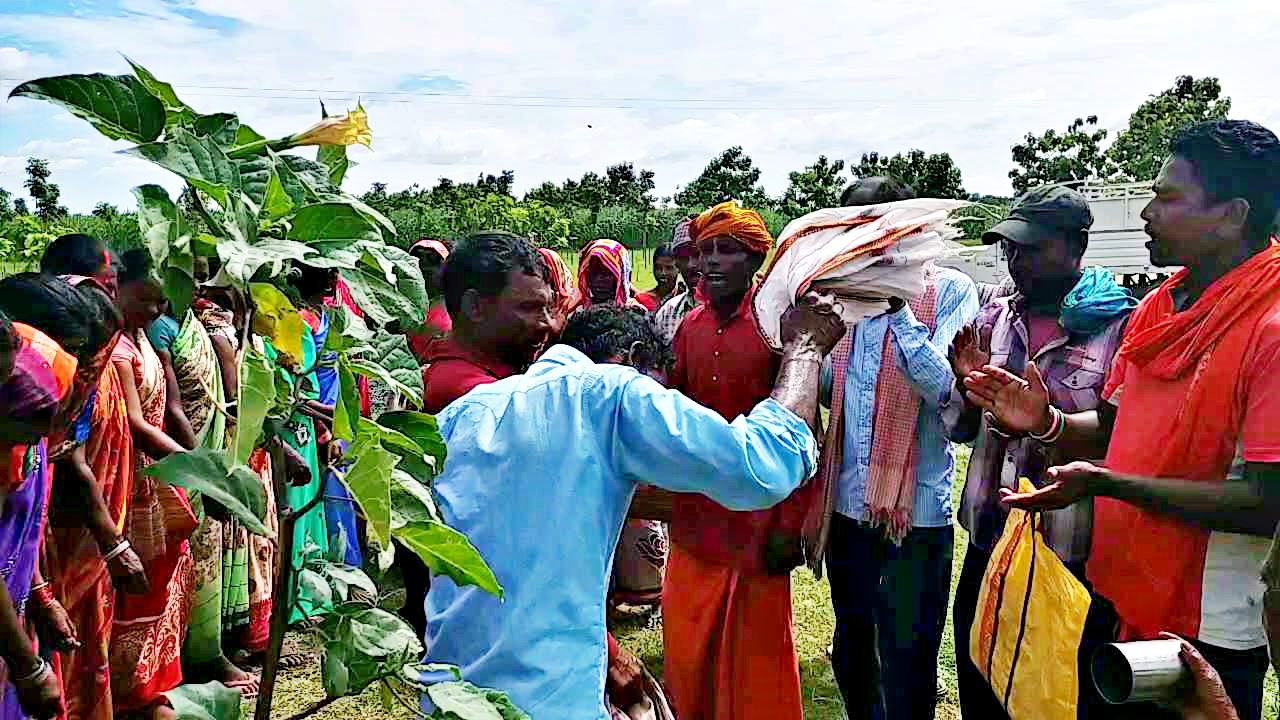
{"points": [[814, 624]]}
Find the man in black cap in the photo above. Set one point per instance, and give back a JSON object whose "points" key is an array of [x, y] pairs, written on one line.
{"points": [[1072, 343]]}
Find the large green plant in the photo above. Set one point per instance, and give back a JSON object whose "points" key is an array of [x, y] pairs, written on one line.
{"points": [[261, 209]]}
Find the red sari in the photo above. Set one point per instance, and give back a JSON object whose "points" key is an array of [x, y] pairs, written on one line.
{"points": [[146, 640], [76, 570]]}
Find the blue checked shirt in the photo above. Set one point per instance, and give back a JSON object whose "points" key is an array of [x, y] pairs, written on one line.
{"points": [[923, 357]]}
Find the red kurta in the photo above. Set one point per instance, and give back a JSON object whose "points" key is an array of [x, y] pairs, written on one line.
{"points": [[729, 648], [452, 371]]}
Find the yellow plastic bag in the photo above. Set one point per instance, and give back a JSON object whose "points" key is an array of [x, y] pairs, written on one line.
{"points": [[1028, 625]]}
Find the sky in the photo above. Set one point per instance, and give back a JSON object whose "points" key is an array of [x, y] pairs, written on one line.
{"points": [[555, 88]]}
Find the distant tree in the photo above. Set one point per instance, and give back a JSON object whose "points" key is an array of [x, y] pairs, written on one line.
{"points": [[1140, 148], [930, 175], [817, 186], [732, 175], [20, 207], [1054, 157], [6, 210], [105, 211], [43, 190], [620, 186], [625, 187]]}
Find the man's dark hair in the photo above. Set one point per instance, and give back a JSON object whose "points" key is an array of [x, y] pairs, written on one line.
{"points": [[662, 251], [1237, 159], [876, 190], [605, 332], [136, 265], [74, 254], [483, 262], [82, 316]]}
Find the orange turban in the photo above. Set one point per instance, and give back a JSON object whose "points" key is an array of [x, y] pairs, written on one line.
{"points": [[732, 220]]}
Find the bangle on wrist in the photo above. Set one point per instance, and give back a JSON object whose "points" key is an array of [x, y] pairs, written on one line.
{"points": [[43, 595], [116, 551], [1057, 425], [34, 676]]}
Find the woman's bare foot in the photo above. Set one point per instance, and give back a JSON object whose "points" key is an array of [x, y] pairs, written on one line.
{"points": [[228, 673]]}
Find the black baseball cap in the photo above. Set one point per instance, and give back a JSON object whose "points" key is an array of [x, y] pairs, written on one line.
{"points": [[1037, 216]]}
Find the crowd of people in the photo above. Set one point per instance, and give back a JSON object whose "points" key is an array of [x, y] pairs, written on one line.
{"points": [[574, 407], [652, 448]]}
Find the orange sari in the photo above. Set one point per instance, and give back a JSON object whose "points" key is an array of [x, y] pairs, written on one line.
{"points": [[146, 640], [77, 572]]}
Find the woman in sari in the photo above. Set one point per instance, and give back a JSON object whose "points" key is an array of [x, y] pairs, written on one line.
{"points": [[196, 373], [564, 285], [604, 275], [248, 561], [86, 520], [315, 285], [604, 278], [431, 255], [146, 639], [33, 402]]}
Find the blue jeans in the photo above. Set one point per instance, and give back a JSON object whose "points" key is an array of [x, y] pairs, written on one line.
{"points": [[891, 608]]}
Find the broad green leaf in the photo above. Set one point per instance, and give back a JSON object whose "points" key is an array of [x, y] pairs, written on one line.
{"points": [[279, 320], [413, 671], [220, 127], [202, 470], [334, 157], [241, 260], [464, 700], [332, 221], [411, 501], [179, 285], [312, 179], [392, 440], [379, 634], [386, 556], [421, 428], [346, 413], [246, 135], [369, 480], [257, 395], [360, 669], [176, 111], [347, 331], [448, 552], [204, 245], [333, 673], [211, 701], [381, 301], [118, 106], [162, 227], [343, 578], [198, 160], [260, 182], [315, 587], [335, 254]]}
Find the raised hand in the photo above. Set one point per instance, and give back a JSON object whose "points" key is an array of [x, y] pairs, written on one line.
{"points": [[970, 350], [1019, 405]]}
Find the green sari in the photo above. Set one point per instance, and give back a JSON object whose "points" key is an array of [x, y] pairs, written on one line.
{"points": [[195, 364], [310, 534]]}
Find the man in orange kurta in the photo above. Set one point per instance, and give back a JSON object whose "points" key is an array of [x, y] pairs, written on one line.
{"points": [[729, 647]]}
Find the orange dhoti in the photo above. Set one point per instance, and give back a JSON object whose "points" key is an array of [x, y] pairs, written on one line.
{"points": [[728, 643]]}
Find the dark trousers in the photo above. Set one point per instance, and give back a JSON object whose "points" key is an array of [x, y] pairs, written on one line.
{"points": [[1242, 671], [891, 607], [417, 581]]}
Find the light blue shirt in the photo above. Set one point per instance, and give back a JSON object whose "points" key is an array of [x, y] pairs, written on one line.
{"points": [[540, 474], [923, 358]]}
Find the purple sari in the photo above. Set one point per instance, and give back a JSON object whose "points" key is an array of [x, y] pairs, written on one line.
{"points": [[21, 527]]}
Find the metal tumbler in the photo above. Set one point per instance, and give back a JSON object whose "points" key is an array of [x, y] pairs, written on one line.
{"points": [[1134, 672]]}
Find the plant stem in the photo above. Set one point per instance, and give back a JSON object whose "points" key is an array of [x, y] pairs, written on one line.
{"points": [[280, 606], [317, 707]]}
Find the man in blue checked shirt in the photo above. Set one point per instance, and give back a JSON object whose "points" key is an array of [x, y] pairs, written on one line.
{"points": [[891, 539], [541, 471]]}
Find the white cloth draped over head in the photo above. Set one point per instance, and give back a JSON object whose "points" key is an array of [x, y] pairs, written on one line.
{"points": [[864, 255]]}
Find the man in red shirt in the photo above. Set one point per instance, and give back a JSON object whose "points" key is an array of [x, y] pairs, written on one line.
{"points": [[495, 287], [726, 601], [1188, 498]]}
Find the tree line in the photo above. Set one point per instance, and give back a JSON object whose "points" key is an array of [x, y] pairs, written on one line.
{"points": [[621, 202]]}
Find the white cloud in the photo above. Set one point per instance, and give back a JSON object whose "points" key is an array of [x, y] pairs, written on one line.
{"points": [[666, 83]]}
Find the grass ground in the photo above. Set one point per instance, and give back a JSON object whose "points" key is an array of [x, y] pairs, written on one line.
{"points": [[814, 623]]}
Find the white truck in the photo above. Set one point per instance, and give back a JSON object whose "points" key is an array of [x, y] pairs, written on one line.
{"points": [[1116, 240]]}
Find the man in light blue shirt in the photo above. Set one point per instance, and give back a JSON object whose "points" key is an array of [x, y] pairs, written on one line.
{"points": [[541, 471], [891, 573]]}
